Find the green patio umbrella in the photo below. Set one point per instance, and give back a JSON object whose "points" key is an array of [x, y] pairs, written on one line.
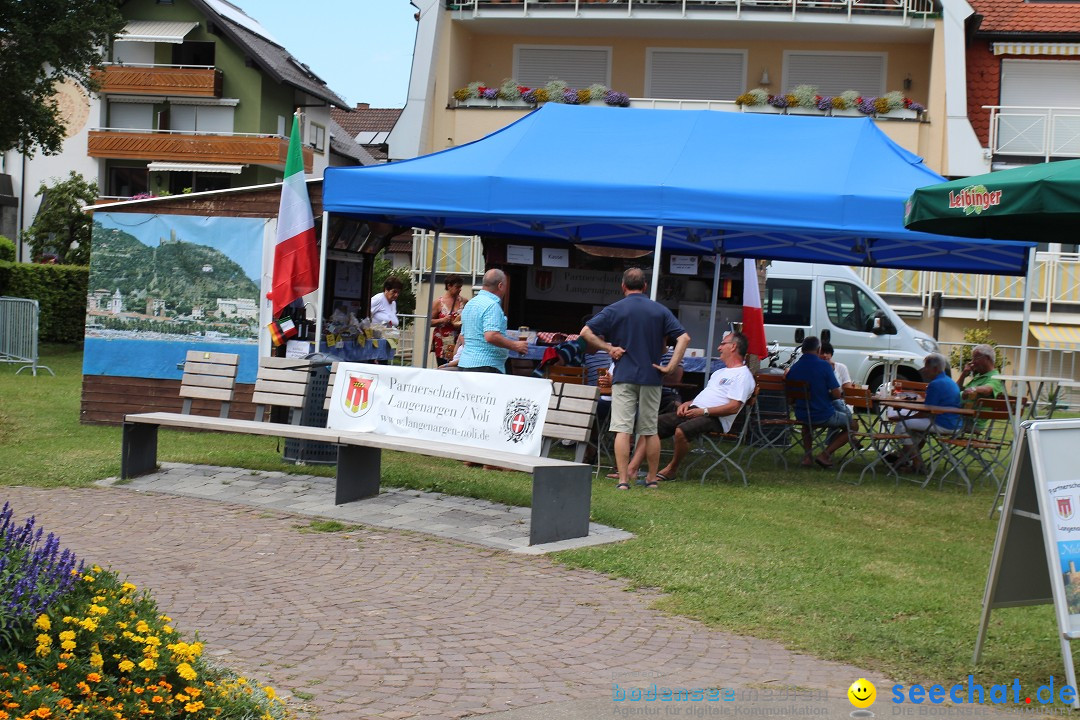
{"points": [[1039, 202]]}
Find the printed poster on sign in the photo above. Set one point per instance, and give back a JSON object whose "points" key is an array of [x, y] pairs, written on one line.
{"points": [[1064, 505], [497, 412]]}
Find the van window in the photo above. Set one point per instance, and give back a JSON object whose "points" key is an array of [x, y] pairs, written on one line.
{"points": [[787, 301], [849, 307]]}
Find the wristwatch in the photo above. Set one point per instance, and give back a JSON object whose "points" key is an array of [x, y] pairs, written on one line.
{"points": [[706, 411]]}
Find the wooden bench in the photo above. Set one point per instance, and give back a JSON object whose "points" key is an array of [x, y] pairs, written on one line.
{"points": [[571, 415], [209, 376], [561, 490]]}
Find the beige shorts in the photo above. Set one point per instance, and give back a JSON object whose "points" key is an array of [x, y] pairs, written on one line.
{"points": [[629, 401]]}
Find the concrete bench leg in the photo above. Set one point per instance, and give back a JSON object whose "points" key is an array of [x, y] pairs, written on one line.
{"points": [[138, 450], [359, 470], [560, 503]]}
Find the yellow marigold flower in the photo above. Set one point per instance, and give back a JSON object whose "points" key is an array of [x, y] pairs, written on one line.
{"points": [[44, 639], [181, 697], [42, 623], [83, 687], [96, 568], [96, 661], [193, 692], [122, 626], [98, 610], [151, 640], [167, 630], [65, 703], [124, 601], [97, 598], [137, 691], [109, 637], [42, 650], [194, 707], [67, 635], [126, 665], [89, 624], [93, 677], [66, 655], [88, 578], [269, 692], [127, 587], [21, 666], [186, 672], [42, 712], [148, 664], [68, 645], [157, 699], [142, 627], [165, 618], [61, 666]]}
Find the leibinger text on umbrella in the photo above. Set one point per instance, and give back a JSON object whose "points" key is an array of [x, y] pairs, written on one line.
{"points": [[976, 197]]}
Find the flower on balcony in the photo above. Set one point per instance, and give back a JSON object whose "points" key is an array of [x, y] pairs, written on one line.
{"points": [[914, 106], [807, 96], [750, 98], [616, 98], [557, 91], [535, 95], [510, 90], [780, 101], [804, 96]]}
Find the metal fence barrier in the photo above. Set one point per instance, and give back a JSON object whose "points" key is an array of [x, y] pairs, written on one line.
{"points": [[19, 333]]}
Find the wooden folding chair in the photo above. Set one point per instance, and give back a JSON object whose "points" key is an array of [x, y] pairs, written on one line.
{"points": [[722, 447], [771, 421], [567, 374], [873, 440]]}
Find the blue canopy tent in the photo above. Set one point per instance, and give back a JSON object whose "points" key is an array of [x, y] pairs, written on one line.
{"points": [[825, 190]]}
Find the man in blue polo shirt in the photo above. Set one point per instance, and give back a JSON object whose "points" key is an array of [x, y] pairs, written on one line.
{"points": [[483, 324], [633, 332], [820, 411]]}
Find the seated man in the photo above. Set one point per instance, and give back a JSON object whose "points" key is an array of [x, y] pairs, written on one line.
{"points": [[980, 376], [714, 409], [941, 391], [819, 410]]}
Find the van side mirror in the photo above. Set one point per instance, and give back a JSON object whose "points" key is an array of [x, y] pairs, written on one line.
{"points": [[826, 336], [800, 335]]}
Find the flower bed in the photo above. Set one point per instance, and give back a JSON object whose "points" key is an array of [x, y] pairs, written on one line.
{"points": [[78, 642], [805, 100], [510, 94]]}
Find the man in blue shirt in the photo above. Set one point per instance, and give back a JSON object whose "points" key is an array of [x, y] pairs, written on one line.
{"points": [[818, 411], [483, 324], [633, 332], [941, 391]]}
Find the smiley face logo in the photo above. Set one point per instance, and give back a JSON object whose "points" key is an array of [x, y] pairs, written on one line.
{"points": [[862, 693]]}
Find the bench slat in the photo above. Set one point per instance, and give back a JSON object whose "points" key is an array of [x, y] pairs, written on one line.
{"points": [[276, 362], [280, 388], [577, 405], [290, 401], [180, 421], [573, 419], [589, 392], [215, 358], [291, 376], [566, 432], [205, 393], [207, 381], [203, 368]]}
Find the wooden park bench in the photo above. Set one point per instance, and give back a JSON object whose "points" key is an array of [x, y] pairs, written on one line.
{"points": [[571, 415], [561, 489]]}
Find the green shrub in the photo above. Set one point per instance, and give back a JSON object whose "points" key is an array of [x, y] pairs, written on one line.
{"points": [[960, 355], [7, 250], [61, 294], [382, 269]]}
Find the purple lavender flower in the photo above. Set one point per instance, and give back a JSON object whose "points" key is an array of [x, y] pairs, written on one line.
{"points": [[617, 99], [779, 101], [490, 93], [570, 96], [33, 574], [824, 103], [866, 105]]}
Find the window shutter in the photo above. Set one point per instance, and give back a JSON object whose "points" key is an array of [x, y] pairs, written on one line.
{"points": [[1039, 83], [833, 74], [579, 67], [695, 74], [131, 115]]}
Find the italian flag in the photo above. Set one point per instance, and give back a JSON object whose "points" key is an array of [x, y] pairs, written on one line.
{"points": [[753, 322], [296, 254]]}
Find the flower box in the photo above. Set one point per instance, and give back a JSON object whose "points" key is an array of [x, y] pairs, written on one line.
{"points": [[766, 108], [799, 110], [847, 112], [476, 102], [900, 114], [519, 103]]}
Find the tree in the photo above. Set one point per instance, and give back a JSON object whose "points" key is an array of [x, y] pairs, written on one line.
{"points": [[61, 227], [42, 43]]}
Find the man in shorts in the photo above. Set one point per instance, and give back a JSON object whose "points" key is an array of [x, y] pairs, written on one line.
{"points": [[819, 411], [715, 407], [632, 331]]}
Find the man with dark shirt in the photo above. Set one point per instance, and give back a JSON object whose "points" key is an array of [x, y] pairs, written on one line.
{"points": [[632, 331], [819, 410]]}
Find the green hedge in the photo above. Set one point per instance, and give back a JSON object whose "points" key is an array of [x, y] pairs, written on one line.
{"points": [[61, 294]]}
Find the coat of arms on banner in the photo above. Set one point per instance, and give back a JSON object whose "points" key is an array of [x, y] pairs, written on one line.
{"points": [[359, 393], [519, 420], [543, 280], [1065, 507]]}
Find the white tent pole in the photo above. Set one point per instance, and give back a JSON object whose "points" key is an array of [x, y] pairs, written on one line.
{"points": [[322, 279], [712, 317], [1018, 409], [656, 261], [431, 300]]}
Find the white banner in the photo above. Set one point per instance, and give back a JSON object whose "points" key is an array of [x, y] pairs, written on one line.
{"points": [[494, 411]]}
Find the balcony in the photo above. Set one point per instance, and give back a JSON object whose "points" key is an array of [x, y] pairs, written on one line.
{"points": [[168, 80], [192, 147], [904, 10], [1039, 133]]}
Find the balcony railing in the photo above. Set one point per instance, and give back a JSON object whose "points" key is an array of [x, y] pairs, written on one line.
{"points": [[192, 147], [175, 80], [905, 9], [1055, 281], [1037, 132]]}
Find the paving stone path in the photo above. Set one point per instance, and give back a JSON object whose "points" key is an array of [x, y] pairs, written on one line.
{"points": [[376, 623]]}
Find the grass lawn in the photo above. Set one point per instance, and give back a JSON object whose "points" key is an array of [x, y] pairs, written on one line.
{"points": [[882, 577]]}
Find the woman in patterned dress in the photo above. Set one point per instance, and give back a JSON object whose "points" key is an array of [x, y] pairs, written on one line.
{"points": [[446, 320]]}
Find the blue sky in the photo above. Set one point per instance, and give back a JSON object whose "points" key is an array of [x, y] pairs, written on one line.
{"points": [[361, 48]]}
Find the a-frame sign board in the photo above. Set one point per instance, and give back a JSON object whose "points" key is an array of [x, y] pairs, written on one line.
{"points": [[1036, 556]]}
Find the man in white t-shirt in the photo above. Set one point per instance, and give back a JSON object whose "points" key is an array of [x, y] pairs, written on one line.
{"points": [[714, 409]]}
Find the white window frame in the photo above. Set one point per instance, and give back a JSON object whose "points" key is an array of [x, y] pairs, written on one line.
{"points": [[837, 53], [649, 52], [317, 136], [518, 47]]}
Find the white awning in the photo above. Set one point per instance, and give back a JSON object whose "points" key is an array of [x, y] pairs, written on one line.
{"points": [[1036, 48], [157, 31], [195, 167]]}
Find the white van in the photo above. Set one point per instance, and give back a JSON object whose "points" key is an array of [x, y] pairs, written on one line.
{"points": [[813, 298]]}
